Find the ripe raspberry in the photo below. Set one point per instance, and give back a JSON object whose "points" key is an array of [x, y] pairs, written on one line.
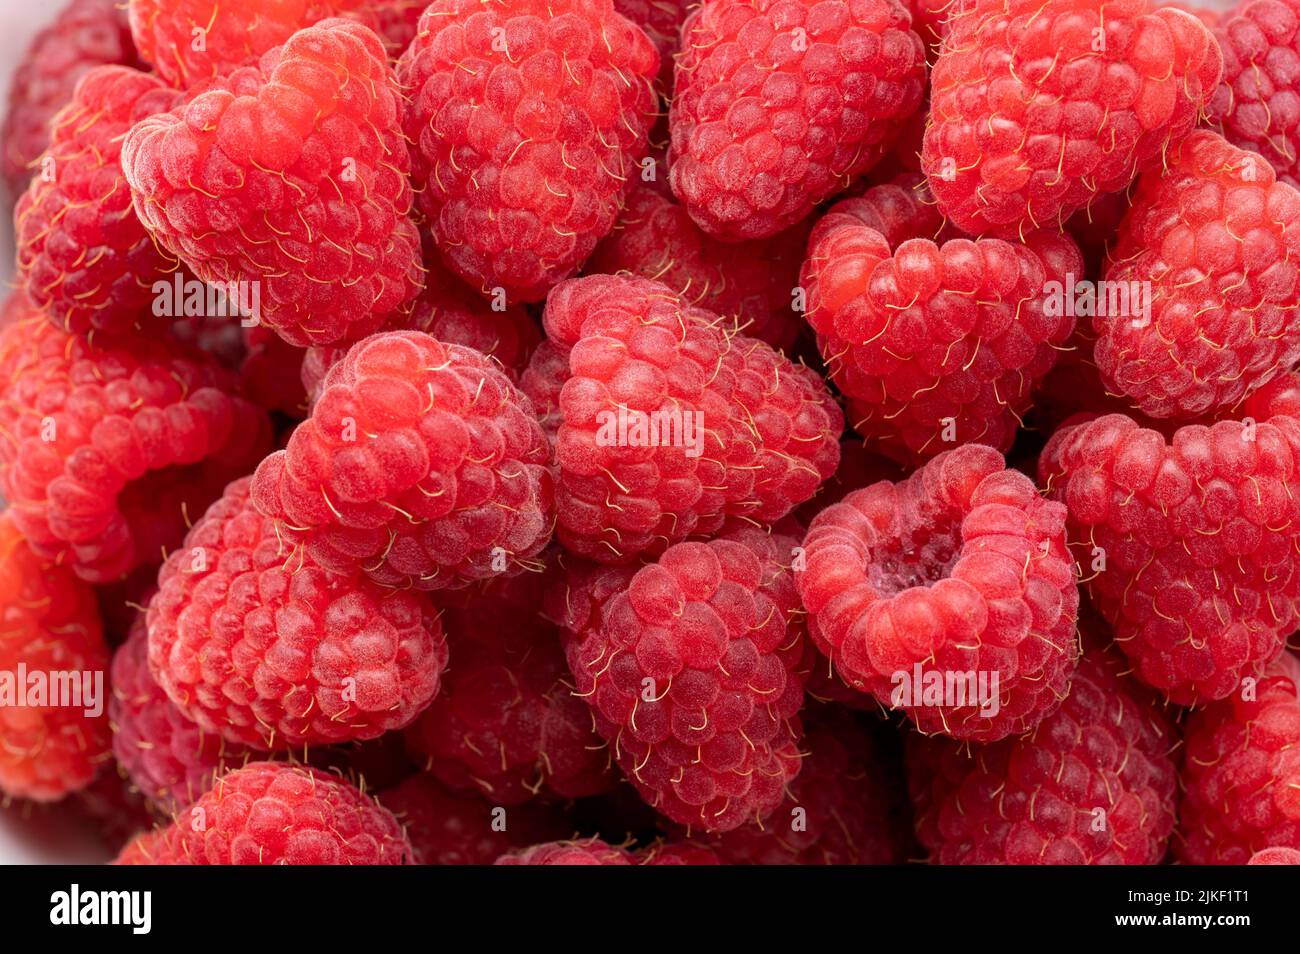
{"points": [[506, 725], [1030, 121], [677, 854], [447, 829], [754, 435], [1189, 545], [49, 623], [527, 118], [749, 283], [1279, 396], [313, 219], [858, 468], [107, 452], [1275, 856], [266, 372], [85, 34], [1241, 772], [585, 851], [961, 568], [83, 255], [267, 813], [421, 463], [848, 805], [1094, 783], [662, 22], [777, 105], [1214, 235], [1257, 106], [933, 344], [166, 755], [111, 807], [396, 21], [692, 674]]}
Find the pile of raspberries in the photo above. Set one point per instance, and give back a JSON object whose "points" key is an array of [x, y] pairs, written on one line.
{"points": [[651, 432]]}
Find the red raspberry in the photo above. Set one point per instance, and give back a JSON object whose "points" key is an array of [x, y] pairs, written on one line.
{"points": [[106, 453], [749, 283], [585, 851], [233, 32], [757, 433], [166, 755], [1094, 783], [49, 623], [397, 22], [82, 253], [848, 805], [1257, 106], [420, 462], [255, 642], [960, 569], [933, 344], [691, 672], [1210, 16], [1275, 856], [1188, 546], [677, 854], [662, 22], [313, 220], [1279, 396], [1031, 121], [1215, 237], [527, 119], [85, 34], [266, 372], [859, 468], [267, 813], [1241, 772], [777, 105], [447, 829], [506, 725], [111, 807]]}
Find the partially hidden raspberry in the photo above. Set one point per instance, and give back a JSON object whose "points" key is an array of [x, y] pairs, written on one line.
{"points": [[583, 851], [669, 423], [85, 34], [1275, 856], [1094, 783], [1257, 106], [692, 672], [286, 183], [1241, 772], [778, 104], [267, 813], [420, 463], [256, 642], [1038, 108], [83, 255], [958, 576], [1212, 237], [527, 119], [49, 624], [751, 284], [507, 725], [1188, 545], [934, 344], [677, 854], [859, 467], [107, 453], [449, 829], [267, 372], [662, 22], [396, 21]]}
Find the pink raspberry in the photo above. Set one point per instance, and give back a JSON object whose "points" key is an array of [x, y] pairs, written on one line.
{"points": [[585, 851], [662, 22], [1275, 856], [266, 372]]}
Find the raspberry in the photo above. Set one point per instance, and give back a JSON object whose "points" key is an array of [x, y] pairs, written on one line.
{"points": [[1032, 118], [255, 642], [585, 851], [271, 814], [1241, 772], [748, 283], [691, 672], [85, 34], [678, 854], [1189, 545], [397, 22], [662, 22], [421, 463], [858, 468], [1094, 783], [289, 177], [746, 433], [527, 118], [507, 725], [266, 372], [167, 756], [933, 344], [82, 252], [447, 829], [1279, 396], [1257, 106], [49, 623], [960, 569], [1275, 856], [104, 451], [848, 805], [777, 105], [1213, 233], [111, 807]]}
